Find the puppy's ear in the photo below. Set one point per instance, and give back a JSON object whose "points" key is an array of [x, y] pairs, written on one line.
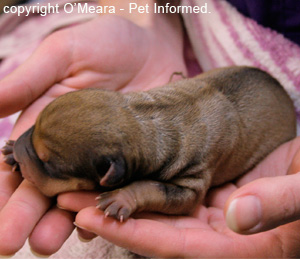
{"points": [[115, 174]]}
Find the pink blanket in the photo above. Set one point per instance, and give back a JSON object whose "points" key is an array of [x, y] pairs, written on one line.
{"points": [[224, 37]]}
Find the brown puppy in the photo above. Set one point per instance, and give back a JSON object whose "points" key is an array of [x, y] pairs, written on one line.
{"points": [[158, 150]]}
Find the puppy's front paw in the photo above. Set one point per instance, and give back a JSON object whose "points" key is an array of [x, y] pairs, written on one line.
{"points": [[7, 151], [119, 204]]}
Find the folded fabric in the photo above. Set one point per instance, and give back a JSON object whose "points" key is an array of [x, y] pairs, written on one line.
{"points": [[224, 37], [20, 35]]}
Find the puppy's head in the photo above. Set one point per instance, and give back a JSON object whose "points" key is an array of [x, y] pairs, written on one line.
{"points": [[77, 143]]}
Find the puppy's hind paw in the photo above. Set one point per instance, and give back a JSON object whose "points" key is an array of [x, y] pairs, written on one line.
{"points": [[8, 147], [117, 204], [8, 157]]}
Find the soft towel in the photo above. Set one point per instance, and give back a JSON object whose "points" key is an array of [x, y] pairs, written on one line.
{"points": [[225, 37]]}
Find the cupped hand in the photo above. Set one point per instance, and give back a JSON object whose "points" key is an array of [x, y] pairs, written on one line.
{"points": [[109, 53], [206, 233]]}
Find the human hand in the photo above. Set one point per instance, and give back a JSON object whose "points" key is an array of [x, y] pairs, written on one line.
{"points": [[205, 234], [108, 52], [267, 203]]}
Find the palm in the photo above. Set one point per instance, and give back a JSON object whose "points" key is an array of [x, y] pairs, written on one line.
{"points": [[205, 234], [108, 53]]}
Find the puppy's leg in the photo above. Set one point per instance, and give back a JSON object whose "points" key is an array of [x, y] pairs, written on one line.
{"points": [[177, 197]]}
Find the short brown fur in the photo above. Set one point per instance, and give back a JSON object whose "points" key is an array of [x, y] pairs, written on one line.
{"points": [[158, 150]]}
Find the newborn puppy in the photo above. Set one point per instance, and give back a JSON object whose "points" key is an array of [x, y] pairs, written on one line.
{"points": [[158, 150]]}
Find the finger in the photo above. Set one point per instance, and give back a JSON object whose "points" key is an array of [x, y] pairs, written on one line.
{"points": [[8, 183], [75, 201], [294, 167], [52, 231], [264, 204], [19, 216], [93, 220], [152, 238], [48, 65], [218, 196], [176, 221]]}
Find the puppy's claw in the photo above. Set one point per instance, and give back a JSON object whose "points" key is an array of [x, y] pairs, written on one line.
{"points": [[104, 195], [118, 204], [10, 142], [7, 149]]}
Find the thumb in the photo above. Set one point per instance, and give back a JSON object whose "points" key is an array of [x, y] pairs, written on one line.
{"points": [[264, 204], [45, 67]]}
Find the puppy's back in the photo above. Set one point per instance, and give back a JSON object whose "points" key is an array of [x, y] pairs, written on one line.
{"points": [[266, 112]]}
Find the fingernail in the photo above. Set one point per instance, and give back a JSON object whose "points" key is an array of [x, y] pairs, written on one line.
{"points": [[78, 226], [244, 214], [38, 255], [60, 207], [83, 239], [6, 256], [80, 237]]}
